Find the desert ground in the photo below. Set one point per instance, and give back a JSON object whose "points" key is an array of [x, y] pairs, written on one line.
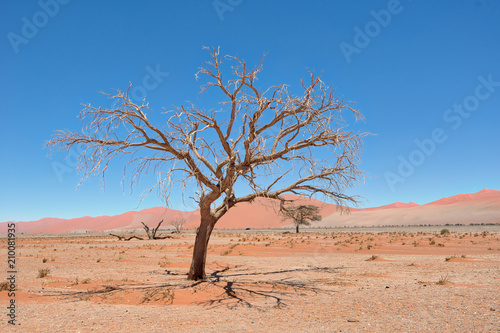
{"points": [[338, 280]]}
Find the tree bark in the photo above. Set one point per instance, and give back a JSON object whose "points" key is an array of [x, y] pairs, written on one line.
{"points": [[197, 270], [297, 228]]}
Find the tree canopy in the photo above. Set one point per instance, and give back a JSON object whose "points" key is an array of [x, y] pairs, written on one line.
{"points": [[255, 143], [302, 215]]}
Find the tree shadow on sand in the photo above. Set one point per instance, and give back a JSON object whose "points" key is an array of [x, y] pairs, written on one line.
{"points": [[236, 288], [230, 287]]}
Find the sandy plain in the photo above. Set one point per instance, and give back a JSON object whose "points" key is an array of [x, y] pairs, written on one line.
{"points": [[363, 280]]}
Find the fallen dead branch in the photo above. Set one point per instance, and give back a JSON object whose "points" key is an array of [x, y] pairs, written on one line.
{"points": [[123, 238]]}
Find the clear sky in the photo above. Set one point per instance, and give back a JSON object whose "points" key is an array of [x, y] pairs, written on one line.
{"points": [[425, 74]]}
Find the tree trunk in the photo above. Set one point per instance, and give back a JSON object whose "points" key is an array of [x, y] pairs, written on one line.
{"points": [[197, 270], [297, 228]]}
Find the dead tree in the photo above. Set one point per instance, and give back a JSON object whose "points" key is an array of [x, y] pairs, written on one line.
{"points": [[301, 215], [178, 223], [151, 232], [259, 143]]}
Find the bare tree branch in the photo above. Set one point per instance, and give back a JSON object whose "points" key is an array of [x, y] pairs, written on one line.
{"points": [[151, 232], [256, 143], [123, 238]]}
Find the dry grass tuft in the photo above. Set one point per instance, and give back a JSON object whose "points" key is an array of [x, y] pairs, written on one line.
{"points": [[4, 286], [229, 250], [43, 272], [443, 280], [163, 295]]}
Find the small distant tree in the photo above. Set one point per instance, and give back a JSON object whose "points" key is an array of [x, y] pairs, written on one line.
{"points": [[301, 215], [445, 231], [178, 223]]}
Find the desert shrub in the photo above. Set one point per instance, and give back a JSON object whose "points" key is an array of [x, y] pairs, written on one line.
{"points": [[43, 272], [444, 232], [159, 294], [109, 288], [229, 250], [164, 263], [4, 286], [443, 280], [372, 258]]}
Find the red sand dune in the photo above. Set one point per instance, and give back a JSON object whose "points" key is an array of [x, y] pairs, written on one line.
{"points": [[263, 213], [480, 207], [394, 205], [481, 197]]}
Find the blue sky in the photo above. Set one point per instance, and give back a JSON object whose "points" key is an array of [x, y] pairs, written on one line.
{"points": [[425, 75]]}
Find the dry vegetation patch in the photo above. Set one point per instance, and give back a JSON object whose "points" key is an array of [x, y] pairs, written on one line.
{"points": [[326, 269]]}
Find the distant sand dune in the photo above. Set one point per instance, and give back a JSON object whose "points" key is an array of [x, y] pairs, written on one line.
{"points": [[480, 207]]}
